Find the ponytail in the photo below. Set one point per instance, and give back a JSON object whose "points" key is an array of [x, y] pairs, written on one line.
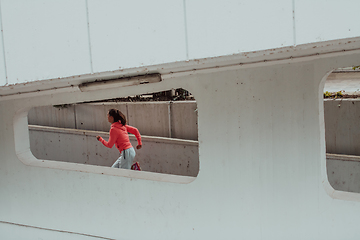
{"points": [[118, 116]]}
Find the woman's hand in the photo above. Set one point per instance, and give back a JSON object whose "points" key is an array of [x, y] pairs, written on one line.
{"points": [[98, 138], [138, 146]]}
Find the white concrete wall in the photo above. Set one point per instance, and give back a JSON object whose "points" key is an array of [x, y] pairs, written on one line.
{"points": [[161, 155], [238, 29], [136, 33], [42, 42], [261, 151], [325, 20], [54, 116], [342, 126], [261, 127], [262, 165], [184, 120], [99, 36], [151, 118], [93, 116]]}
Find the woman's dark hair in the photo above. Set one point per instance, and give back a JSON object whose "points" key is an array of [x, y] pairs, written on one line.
{"points": [[118, 116]]}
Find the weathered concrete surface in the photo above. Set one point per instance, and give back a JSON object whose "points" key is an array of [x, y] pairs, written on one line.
{"points": [[151, 118], [347, 82], [161, 155], [261, 151], [184, 120], [64, 117], [344, 172], [342, 126], [94, 116]]}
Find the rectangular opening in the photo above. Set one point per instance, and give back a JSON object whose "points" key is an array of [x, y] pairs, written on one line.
{"points": [[342, 128], [167, 122]]}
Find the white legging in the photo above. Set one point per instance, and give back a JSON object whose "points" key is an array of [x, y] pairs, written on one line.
{"points": [[126, 159]]}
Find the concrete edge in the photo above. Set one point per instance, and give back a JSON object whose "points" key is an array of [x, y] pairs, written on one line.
{"points": [[342, 157]]}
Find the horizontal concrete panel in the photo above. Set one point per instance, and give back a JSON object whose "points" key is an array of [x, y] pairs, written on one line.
{"points": [[150, 118], [184, 120], [61, 116], [161, 155], [324, 20], [342, 126], [347, 83], [70, 147], [218, 28], [126, 34], [169, 156], [94, 116], [343, 172], [45, 39]]}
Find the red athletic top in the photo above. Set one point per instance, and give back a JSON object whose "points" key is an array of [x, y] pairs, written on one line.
{"points": [[119, 136]]}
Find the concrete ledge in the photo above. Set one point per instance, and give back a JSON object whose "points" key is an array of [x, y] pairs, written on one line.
{"points": [[342, 100], [342, 157], [343, 174], [73, 146], [345, 74]]}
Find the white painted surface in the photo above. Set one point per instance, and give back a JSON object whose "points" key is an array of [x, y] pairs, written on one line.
{"points": [[324, 20], [160, 155], [45, 39], [126, 34], [218, 28], [262, 163]]}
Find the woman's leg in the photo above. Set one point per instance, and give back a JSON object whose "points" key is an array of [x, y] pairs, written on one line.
{"points": [[117, 162], [129, 155]]}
